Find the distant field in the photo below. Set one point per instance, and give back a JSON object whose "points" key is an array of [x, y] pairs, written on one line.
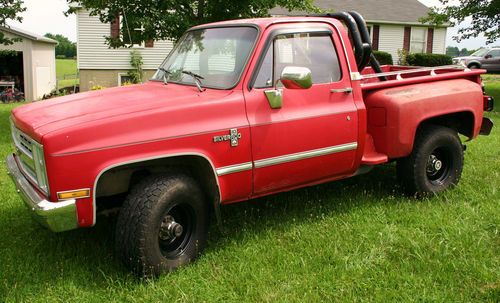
{"points": [[66, 67], [492, 85]]}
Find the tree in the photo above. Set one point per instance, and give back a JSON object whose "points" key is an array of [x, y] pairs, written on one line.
{"points": [[453, 51], [484, 14], [10, 10], [168, 19], [65, 47]]}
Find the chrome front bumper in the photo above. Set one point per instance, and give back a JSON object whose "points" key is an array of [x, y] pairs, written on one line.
{"points": [[60, 216]]}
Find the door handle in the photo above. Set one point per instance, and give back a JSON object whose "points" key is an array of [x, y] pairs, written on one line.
{"points": [[346, 90]]}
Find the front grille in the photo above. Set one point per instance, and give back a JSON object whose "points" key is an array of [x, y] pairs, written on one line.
{"points": [[24, 151]]}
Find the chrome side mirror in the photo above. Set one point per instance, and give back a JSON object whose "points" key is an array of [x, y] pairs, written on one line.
{"points": [[294, 77]]}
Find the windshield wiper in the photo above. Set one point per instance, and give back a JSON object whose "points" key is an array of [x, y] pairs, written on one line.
{"points": [[197, 79], [166, 73]]}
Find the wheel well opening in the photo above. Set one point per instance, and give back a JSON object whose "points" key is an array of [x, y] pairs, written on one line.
{"points": [[462, 122], [113, 186]]}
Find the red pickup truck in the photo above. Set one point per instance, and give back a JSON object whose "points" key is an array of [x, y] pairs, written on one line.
{"points": [[238, 110]]}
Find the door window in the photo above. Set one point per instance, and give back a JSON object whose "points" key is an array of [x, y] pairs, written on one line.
{"points": [[314, 51], [494, 53]]}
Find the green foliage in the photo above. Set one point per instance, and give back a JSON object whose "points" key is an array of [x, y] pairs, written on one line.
{"points": [[402, 57], [65, 48], [169, 19], [7, 52], [10, 10], [454, 51], [136, 62], [383, 58], [484, 15], [428, 59]]}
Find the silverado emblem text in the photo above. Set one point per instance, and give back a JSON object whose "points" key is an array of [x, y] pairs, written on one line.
{"points": [[233, 136]]}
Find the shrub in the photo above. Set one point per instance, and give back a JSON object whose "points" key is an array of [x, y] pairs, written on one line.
{"points": [[383, 58], [428, 60], [60, 57], [136, 62], [402, 57]]}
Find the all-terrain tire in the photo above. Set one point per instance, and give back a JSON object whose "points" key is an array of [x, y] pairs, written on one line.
{"points": [[163, 224], [435, 163]]}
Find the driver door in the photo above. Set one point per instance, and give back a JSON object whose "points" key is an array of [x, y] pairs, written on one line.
{"points": [[313, 136]]}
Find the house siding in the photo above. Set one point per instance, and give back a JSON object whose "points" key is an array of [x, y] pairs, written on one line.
{"points": [[439, 45], [94, 53], [391, 39]]}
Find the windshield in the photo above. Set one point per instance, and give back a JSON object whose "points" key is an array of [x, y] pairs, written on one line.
{"points": [[218, 55], [480, 52]]}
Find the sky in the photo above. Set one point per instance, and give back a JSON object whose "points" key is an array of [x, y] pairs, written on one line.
{"points": [[46, 16]]}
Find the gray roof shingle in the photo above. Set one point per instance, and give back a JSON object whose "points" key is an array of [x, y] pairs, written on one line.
{"points": [[405, 11]]}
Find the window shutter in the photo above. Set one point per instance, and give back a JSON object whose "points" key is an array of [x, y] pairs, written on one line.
{"points": [[406, 39], [149, 43], [115, 27], [376, 37], [430, 40]]}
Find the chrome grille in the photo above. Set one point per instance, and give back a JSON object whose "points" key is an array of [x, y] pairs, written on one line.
{"points": [[24, 150]]}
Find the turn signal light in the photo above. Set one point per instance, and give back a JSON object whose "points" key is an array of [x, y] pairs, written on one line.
{"points": [[74, 194]]}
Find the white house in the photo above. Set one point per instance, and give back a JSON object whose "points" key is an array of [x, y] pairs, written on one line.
{"points": [[394, 24], [29, 65], [100, 65]]}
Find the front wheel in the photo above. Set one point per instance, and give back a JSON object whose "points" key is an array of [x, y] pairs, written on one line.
{"points": [[435, 163], [163, 224]]}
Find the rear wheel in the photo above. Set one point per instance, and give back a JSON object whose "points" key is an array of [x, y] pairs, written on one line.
{"points": [[162, 225], [435, 164]]}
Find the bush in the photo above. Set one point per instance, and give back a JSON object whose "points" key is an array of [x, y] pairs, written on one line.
{"points": [[428, 60], [383, 58], [60, 57]]}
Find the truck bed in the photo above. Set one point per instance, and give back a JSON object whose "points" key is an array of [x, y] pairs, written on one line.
{"points": [[405, 75]]}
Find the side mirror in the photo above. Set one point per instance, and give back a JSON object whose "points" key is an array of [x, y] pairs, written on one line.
{"points": [[294, 77], [488, 56]]}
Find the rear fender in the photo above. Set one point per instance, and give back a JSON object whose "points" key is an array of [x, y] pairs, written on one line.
{"points": [[395, 114]]}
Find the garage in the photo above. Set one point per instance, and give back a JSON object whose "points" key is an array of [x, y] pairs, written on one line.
{"points": [[27, 67]]}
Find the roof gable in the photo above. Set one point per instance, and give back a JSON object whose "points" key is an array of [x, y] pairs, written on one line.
{"points": [[404, 11], [25, 34]]}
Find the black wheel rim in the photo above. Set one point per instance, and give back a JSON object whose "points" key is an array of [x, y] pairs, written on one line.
{"points": [[438, 166], [176, 229]]}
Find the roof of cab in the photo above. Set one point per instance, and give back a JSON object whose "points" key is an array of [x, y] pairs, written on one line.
{"points": [[263, 23]]}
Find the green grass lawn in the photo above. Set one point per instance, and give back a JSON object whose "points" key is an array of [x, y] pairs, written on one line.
{"points": [[66, 67], [357, 240], [492, 85]]}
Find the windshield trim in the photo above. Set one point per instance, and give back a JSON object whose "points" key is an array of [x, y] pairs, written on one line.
{"points": [[210, 26]]}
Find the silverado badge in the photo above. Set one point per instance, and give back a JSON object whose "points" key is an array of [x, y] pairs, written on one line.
{"points": [[233, 136]]}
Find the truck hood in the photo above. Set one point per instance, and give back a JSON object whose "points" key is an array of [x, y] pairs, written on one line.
{"points": [[40, 118]]}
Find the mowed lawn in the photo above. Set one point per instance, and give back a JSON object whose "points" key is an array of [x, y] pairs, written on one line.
{"points": [[69, 68], [357, 240]]}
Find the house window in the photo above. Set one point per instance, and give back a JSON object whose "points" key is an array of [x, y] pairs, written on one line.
{"points": [[128, 31], [418, 40], [124, 79]]}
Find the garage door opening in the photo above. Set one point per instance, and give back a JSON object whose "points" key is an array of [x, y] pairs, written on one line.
{"points": [[11, 76]]}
